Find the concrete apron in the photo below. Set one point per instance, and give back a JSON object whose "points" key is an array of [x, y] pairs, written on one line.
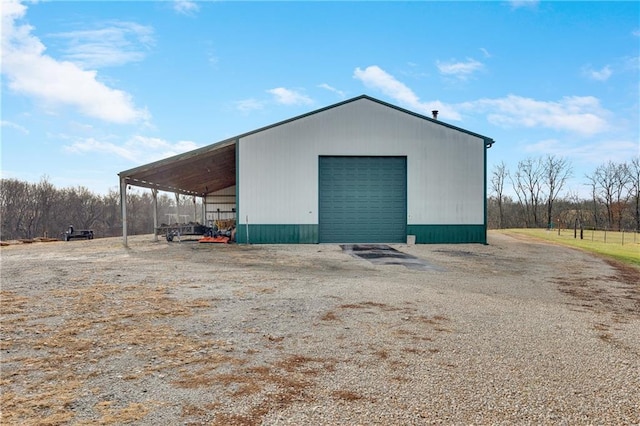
{"points": [[382, 254]]}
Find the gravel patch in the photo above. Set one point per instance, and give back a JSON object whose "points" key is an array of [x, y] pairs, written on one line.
{"points": [[186, 333]]}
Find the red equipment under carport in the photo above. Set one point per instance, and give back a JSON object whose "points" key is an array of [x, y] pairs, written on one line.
{"points": [[217, 239], [223, 232]]}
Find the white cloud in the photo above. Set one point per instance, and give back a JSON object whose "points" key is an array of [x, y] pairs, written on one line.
{"points": [[138, 149], [485, 52], [247, 105], [516, 4], [212, 59], [414, 71], [581, 115], [81, 127], [12, 125], [289, 97], [598, 75], [332, 89], [32, 73], [376, 78], [116, 43], [186, 7], [577, 114], [460, 70], [631, 64], [153, 149], [91, 145], [593, 153]]}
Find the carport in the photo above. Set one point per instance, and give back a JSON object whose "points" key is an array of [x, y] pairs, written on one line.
{"points": [[194, 173]]}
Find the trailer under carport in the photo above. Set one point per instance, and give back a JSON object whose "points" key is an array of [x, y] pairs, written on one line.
{"points": [[194, 173]]}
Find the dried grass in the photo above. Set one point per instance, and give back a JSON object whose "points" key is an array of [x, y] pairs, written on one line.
{"points": [[364, 305], [382, 354], [114, 415], [192, 410], [11, 303], [346, 395], [97, 321], [329, 316]]}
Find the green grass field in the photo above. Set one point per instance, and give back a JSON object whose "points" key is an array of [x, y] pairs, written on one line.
{"points": [[623, 247]]}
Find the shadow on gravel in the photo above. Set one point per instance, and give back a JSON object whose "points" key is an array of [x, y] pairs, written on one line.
{"points": [[382, 254]]}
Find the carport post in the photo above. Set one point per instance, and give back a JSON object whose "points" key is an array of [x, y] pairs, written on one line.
{"points": [[177, 208], [203, 210], [154, 194], [123, 209]]}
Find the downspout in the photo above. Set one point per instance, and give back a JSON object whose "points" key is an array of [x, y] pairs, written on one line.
{"points": [[488, 143]]}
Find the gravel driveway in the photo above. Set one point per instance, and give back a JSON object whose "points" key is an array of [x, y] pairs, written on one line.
{"points": [[186, 333]]}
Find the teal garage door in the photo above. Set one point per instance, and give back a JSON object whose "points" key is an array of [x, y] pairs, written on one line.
{"points": [[363, 200]]}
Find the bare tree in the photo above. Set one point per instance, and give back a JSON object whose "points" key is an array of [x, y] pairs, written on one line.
{"points": [[622, 192], [111, 216], [29, 210], [84, 209], [595, 201], [575, 214], [46, 197], [610, 184], [527, 183], [14, 211], [498, 176], [556, 172]]}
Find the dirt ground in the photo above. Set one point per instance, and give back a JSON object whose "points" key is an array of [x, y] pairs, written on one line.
{"points": [[516, 331]]}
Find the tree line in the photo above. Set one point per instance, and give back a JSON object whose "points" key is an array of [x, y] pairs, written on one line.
{"points": [[30, 210], [538, 184]]}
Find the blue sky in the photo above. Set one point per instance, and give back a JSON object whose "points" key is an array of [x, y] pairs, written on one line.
{"points": [[90, 89]]}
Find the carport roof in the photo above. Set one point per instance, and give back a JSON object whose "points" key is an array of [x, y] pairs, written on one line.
{"points": [[196, 172], [213, 167]]}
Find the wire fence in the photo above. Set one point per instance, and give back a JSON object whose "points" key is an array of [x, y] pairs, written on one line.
{"points": [[623, 237]]}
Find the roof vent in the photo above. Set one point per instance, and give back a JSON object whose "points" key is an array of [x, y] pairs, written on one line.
{"points": [[435, 114]]}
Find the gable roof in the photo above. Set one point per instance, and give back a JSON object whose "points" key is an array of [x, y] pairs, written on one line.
{"points": [[213, 167]]}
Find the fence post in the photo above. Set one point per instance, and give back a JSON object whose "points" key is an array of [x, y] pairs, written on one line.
{"points": [[623, 237]]}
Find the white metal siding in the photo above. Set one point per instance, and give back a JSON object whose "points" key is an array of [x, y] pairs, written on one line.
{"points": [[278, 167], [224, 199]]}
